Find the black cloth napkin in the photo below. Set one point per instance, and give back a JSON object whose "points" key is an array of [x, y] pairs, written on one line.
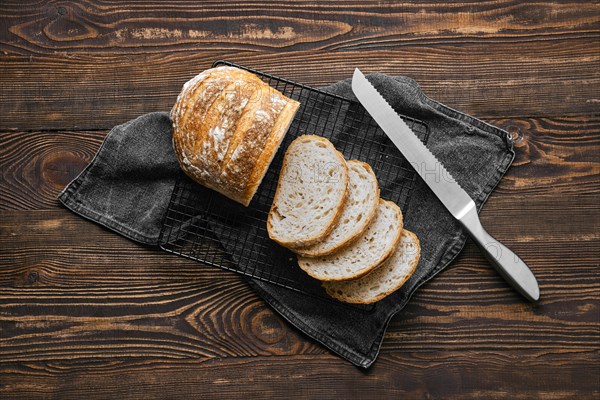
{"points": [[128, 184]]}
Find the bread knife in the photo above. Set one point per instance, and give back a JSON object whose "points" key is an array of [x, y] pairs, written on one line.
{"points": [[450, 193]]}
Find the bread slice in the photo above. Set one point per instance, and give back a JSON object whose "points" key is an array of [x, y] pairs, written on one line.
{"points": [[359, 210], [373, 247], [385, 279], [311, 192]]}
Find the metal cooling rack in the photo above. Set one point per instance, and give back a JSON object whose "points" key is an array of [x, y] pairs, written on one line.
{"points": [[205, 226]]}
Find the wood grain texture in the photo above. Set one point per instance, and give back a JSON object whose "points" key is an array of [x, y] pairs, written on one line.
{"points": [[126, 59], [86, 313], [553, 155], [113, 27], [127, 86], [414, 375], [66, 297]]}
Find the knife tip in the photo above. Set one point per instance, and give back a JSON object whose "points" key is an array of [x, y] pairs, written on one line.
{"points": [[534, 293]]}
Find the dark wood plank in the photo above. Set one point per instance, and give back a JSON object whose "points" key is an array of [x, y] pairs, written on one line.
{"points": [[36, 166], [66, 249], [95, 27], [59, 281], [551, 156], [119, 61], [112, 90], [88, 301], [419, 375], [56, 257], [554, 155], [87, 313]]}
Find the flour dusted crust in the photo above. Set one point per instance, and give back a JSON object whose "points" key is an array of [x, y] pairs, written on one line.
{"points": [[227, 127]]}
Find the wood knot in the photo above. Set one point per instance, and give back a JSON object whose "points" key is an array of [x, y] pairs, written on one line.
{"points": [[267, 327], [69, 26], [515, 133], [27, 278], [33, 277], [60, 168]]}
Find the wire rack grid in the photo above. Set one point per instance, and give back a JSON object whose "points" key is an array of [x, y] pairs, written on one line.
{"points": [[208, 227]]}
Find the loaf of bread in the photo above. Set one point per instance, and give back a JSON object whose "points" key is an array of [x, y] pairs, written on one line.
{"points": [[358, 211], [311, 192], [227, 127]]}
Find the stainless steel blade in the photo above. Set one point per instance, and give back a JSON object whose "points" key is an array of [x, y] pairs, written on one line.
{"points": [[433, 172], [445, 187]]}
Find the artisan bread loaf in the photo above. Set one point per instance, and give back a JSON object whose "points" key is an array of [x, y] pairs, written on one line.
{"points": [[385, 279], [368, 251], [311, 192], [227, 127], [359, 210]]}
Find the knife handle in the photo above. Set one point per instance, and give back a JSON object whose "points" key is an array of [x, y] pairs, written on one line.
{"points": [[508, 264]]}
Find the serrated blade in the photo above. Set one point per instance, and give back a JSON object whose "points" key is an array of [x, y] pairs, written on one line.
{"points": [[433, 172], [456, 200]]}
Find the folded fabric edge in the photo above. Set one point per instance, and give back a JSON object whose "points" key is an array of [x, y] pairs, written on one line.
{"points": [[333, 345], [93, 216], [450, 255], [446, 260], [65, 196]]}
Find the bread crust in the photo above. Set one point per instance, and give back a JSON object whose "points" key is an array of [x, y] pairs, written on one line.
{"points": [[374, 264], [227, 127], [331, 292], [278, 133], [319, 236], [308, 252]]}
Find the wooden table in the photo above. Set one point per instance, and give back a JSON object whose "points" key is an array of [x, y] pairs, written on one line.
{"points": [[85, 313]]}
